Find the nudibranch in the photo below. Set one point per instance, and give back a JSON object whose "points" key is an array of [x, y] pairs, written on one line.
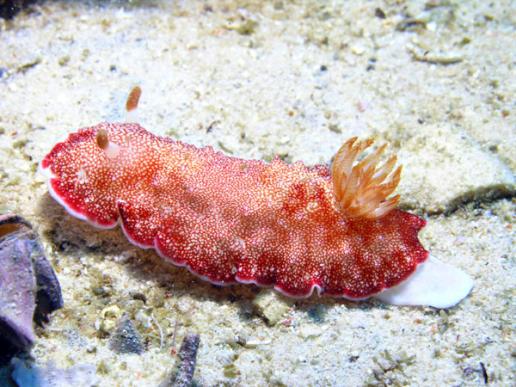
{"points": [[230, 220]]}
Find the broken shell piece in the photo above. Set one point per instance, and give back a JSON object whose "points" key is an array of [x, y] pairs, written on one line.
{"points": [[434, 283], [28, 286], [435, 57]]}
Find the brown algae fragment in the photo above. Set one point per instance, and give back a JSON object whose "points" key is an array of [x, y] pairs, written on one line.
{"points": [[27, 66]]}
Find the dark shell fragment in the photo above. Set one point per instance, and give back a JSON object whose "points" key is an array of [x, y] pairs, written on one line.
{"points": [[182, 375], [188, 358]]}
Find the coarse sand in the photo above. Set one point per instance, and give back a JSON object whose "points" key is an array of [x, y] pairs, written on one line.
{"points": [[254, 79]]}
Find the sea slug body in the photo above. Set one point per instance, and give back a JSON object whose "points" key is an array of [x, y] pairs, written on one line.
{"points": [[229, 220]]}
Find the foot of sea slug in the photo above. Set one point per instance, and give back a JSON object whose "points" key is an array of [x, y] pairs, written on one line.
{"points": [[434, 283]]}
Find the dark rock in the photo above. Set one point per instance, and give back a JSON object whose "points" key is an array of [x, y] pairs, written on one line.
{"points": [[28, 286], [17, 291], [126, 338]]}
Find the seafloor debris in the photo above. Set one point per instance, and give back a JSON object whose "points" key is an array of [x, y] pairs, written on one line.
{"points": [[390, 369], [126, 338], [187, 358], [435, 57], [9, 8], [29, 289], [411, 24], [271, 306], [243, 27]]}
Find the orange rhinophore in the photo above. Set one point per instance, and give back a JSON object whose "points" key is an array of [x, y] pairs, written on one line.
{"points": [[133, 99], [102, 139]]}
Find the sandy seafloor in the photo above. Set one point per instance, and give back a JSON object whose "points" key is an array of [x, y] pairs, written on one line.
{"points": [[435, 79]]}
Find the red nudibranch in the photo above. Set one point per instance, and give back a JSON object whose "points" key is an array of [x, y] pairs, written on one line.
{"points": [[230, 220]]}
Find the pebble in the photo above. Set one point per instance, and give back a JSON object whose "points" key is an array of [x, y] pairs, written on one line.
{"points": [[125, 338], [271, 306]]}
